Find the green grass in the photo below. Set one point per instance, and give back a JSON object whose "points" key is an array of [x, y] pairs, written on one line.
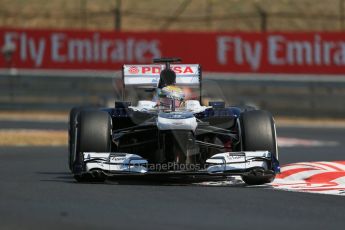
{"points": [[198, 15]]}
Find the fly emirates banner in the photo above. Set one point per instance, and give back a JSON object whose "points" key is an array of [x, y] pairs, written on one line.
{"points": [[236, 52]]}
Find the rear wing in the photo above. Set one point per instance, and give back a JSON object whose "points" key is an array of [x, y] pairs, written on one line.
{"points": [[148, 75]]}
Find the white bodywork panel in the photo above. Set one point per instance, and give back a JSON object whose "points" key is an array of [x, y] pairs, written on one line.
{"points": [[192, 106], [176, 123], [131, 163], [144, 105], [115, 162], [237, 161]]}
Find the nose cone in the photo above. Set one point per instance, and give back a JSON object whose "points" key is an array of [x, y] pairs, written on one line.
{"points": [[176, 121]]}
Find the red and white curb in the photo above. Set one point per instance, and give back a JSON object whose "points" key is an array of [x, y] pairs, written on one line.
{"points": [[315, 177], [321, 177], [294, 142]]}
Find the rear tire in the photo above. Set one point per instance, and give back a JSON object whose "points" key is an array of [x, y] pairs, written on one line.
{"points": [[258, 133], [94, 129]]}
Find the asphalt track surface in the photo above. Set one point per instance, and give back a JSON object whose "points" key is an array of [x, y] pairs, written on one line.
{"points": [[38, 192]]}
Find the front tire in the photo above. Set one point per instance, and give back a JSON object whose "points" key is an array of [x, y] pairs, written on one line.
{"points": [[72, 127], [258, 133], [93, 135]]}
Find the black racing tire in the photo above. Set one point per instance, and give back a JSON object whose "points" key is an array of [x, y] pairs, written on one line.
{"points": [[94, 135], [72, 125], [94, 131], [258, 132], [246, 108]]}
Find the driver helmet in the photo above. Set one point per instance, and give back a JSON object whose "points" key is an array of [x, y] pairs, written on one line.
{"points": [[171, 94]]}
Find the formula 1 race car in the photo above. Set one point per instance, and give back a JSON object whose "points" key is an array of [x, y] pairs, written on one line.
{"points": [[171, 133]]}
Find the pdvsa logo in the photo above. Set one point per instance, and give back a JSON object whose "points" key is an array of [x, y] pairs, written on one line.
{"points": [[176, 69], [155, 69], [133, 70]]}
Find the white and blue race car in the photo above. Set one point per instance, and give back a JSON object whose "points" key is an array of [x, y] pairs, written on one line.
{"points": [[171, 133]]}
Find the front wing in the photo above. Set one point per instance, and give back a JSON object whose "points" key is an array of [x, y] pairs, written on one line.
{"points": [[227, 163]]}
